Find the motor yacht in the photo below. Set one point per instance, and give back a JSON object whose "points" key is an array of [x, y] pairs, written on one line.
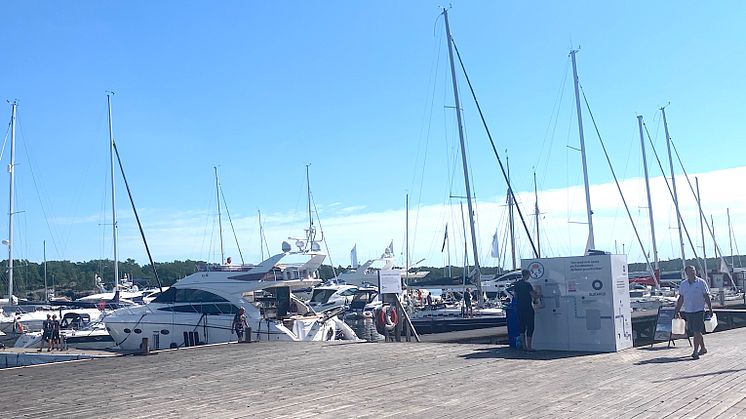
{"points": [[200, 308]]}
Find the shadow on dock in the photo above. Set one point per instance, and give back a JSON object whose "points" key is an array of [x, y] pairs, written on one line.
{"points": [[511, 353]]}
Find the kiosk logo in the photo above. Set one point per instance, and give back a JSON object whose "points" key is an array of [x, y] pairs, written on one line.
{"points": [[536, 270], [597, 285]]}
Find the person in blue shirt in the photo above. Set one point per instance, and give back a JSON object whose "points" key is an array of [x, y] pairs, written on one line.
{"points": [[694, 294]]}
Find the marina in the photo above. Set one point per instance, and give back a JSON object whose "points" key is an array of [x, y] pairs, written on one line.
{"points": [[532, 245], [391, 380]]}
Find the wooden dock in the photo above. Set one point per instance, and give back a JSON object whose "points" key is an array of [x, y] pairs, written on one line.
{"points": [[298, 380]]}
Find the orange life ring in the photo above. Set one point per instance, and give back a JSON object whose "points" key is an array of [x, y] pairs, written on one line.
{"points": [[394, 314], [388, 317]]}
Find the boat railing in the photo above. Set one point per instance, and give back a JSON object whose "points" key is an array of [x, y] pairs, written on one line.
{"points": [[217, 267]]}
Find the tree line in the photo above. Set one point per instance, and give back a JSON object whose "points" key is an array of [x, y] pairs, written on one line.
{"points": [[75, 279]]}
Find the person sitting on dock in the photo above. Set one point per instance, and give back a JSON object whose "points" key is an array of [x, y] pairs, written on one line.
{"points": [[694, 294], [525, 294], [240, 323]]}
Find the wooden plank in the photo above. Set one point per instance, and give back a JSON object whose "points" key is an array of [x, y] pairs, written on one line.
{"points": [[389, 380]]}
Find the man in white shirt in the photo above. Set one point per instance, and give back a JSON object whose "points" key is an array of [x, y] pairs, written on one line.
{"points": [[694, 294]]}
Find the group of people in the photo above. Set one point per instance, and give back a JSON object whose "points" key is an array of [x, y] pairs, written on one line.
{"points": [[51, 334]]}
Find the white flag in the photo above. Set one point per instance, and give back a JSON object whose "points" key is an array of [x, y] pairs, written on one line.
{"points": [[353, 256], [495, 249]]}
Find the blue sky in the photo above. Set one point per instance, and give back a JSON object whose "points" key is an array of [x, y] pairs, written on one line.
{"points": [[359, 91]]}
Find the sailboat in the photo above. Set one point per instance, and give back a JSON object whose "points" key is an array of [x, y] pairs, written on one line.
{"points": [[17, 320], [446, 321]]}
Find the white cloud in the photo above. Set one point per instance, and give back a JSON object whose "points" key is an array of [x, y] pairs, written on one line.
{"points": [[193, 234]]}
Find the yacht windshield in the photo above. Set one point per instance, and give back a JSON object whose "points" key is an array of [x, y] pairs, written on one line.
{"points": [[322, 295], [188, 295]]}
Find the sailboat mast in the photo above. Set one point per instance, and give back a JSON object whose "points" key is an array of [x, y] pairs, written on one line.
{"points": [[477, 272], [113, 197], [675, 194], [406, 246], [511, 221], [701, 225], [46, 291], [714, 242], [591, 241], [11, 171], [650, 202], [261, 234], [220, 216], [311, 230], [536, 214], [730, 236]]}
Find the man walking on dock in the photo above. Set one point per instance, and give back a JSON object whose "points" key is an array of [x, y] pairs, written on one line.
{"points": [[239, 323], [694, 294]]}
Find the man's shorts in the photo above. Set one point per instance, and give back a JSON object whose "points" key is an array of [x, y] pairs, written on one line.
{"points": [[695, 322]]}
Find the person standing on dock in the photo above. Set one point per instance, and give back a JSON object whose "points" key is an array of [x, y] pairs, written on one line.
{"points": [[56, 344], [46, 334], [240, 323], [694, 294], [525, 294], [468, 311]]}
